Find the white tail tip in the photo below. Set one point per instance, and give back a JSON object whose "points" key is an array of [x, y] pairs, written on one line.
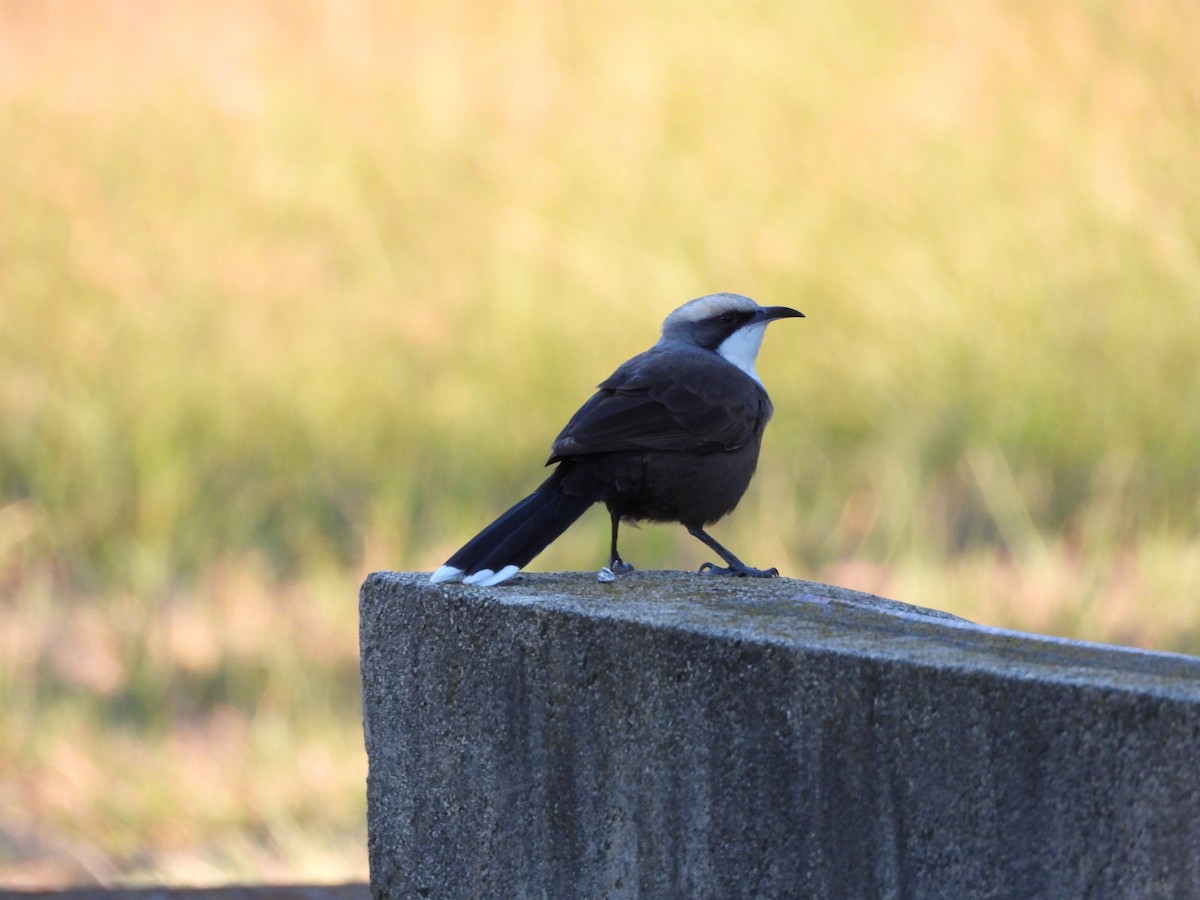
{"points": [[445, 573], [487, 578]]}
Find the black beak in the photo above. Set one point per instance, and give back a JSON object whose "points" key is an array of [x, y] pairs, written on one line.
{"points": [[770, 313]]}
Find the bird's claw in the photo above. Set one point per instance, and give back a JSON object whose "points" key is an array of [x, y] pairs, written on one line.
{"points": [[738, 572], [620, 567]]}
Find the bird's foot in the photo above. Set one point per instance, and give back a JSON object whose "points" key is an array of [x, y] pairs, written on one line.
{"points": [[739, 571], [619, 566]]}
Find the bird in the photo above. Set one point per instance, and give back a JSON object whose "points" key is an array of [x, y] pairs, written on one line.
{"points": [[673, 435]]}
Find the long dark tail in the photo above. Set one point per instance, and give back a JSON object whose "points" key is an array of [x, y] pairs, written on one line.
{"points": [[508, 544]]}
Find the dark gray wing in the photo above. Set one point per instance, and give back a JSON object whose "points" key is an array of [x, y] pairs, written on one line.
{"points": [[668, 400]]}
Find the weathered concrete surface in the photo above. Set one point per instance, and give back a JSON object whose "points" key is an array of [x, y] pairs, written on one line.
{"points": [[679, 736]]}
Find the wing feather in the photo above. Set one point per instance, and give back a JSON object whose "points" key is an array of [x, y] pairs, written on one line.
{"points": [[672, 401]]}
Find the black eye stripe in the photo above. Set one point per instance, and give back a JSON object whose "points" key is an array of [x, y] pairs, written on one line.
{"points": [[732, 318]]}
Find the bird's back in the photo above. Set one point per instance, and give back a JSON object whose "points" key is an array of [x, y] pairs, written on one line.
{"points": [[668, 399], [672, 436]]}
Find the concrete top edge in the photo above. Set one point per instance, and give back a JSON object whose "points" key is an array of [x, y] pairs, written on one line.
{"points": [[822, 618]]}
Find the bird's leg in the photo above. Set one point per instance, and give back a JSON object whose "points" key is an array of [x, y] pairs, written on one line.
{"points": [[735, 565], [618, 565]]}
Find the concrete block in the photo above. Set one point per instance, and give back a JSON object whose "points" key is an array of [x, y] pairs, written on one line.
{"points": [[673, 735]]}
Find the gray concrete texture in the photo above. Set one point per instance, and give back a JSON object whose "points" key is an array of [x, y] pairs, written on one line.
{"points": [[675, 735]]}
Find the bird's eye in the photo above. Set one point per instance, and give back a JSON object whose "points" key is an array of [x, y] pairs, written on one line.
{"points": [[727, 318]]}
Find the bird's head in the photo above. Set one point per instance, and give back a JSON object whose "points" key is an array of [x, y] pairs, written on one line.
{"points": [[727, 324]]}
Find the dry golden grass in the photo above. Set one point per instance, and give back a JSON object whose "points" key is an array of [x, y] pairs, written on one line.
{"points": [[293, 291], [210, 735]]}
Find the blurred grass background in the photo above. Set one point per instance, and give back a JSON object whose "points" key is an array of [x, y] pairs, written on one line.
{"points": [[295, 291]]}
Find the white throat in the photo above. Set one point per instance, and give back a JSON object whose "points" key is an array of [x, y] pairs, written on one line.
{"points": [[741, 348]]}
